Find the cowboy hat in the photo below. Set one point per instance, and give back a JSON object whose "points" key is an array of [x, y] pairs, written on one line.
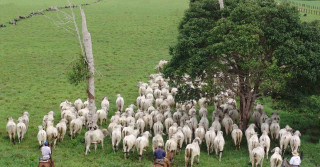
{"points": [[160, 145], [295, 153]]}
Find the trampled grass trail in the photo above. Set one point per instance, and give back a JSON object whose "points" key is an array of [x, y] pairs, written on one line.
{"points": [[129, 38]]}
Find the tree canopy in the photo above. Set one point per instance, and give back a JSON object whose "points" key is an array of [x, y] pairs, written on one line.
{"points": [[259, 45]]}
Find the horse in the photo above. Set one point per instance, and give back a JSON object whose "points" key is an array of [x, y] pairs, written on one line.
{"points": [[48, 163]]}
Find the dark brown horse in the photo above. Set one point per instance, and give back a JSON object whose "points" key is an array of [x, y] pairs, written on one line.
{"points": [[48, 163]]}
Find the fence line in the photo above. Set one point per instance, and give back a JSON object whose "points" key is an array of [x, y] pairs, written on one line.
{"points": [[311, 9]]}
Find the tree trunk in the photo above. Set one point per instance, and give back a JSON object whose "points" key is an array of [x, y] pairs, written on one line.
{"points": [[221, 4], [247, 98], [92, 120], [246, 106]]}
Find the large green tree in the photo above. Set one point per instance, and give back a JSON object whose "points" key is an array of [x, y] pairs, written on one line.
{"points": [[257, 45]]}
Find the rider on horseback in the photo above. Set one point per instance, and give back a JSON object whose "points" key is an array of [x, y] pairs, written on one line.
{"points": [[46, 152], [46, 159], [159, 155]]}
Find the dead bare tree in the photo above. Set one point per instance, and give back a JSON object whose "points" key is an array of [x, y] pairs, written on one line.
{"points": [[86, 62], [92, 120]]}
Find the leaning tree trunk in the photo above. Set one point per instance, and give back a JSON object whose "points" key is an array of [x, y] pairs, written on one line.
{"points": [[92, 118]]}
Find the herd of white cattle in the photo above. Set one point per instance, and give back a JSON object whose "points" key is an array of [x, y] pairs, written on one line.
{"points": [[153, 112]]}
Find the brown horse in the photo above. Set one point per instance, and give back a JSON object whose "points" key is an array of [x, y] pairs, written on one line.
{"points": [[167, 160], [48, 163]]}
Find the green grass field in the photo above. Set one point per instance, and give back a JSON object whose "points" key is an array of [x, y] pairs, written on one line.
{"points": [[129, 38]]}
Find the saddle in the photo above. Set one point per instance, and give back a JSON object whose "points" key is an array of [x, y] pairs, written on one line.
{"points": [[44, 159], [159, 161]]}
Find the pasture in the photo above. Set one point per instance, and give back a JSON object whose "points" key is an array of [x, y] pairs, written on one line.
{"points": [[313, 5], [129, 38]]}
